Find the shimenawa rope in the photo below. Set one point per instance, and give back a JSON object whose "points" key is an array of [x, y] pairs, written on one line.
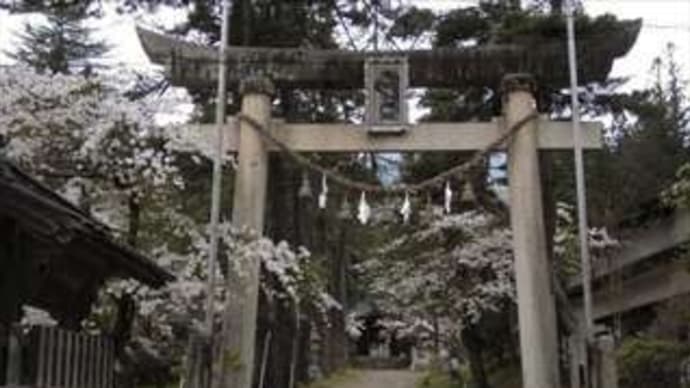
{"points": [[436, 181]]}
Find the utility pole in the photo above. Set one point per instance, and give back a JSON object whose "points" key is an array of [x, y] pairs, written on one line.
{"points": [[221, 103], [374, 10], [585, 262]]}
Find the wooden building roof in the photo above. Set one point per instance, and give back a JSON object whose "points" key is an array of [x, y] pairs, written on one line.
{"points": [[193, 65], [54, 255]]}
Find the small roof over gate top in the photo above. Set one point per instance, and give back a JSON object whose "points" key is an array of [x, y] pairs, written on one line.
{"points": [[193, 65]]}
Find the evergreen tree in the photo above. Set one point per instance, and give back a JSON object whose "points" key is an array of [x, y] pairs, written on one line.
{"points": [[63, 44], [647, 145]]}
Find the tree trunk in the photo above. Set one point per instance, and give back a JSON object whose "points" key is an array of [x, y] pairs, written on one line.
{"points": [[134, 220], [556, 6], [473, 343], [126, 310], [126, 306], [549, 200], [340, 293]]}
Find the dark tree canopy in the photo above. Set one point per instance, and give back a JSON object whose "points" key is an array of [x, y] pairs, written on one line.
{"points": [[63, 44]]}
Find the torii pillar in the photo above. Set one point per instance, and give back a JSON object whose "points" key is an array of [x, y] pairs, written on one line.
{"points": [[238, 355], [533, 273]]}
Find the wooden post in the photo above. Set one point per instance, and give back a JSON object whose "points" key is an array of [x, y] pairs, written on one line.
{"points": [[606, 373], [577, 347], [536, 302], [248, 212], [14, 356], [573, 361]]}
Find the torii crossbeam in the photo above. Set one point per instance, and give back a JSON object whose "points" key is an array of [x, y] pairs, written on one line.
{"points": [[427, 137], [192, 65]]}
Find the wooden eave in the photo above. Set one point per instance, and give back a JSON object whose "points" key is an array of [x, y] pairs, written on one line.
{"points": [[50, 218], [193, 65]]}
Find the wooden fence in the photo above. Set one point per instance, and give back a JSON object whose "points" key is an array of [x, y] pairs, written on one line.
{"points": [[57, 358], [198, 363]]}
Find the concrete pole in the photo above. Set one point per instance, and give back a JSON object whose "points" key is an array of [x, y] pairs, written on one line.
{"points": [[217, 183], [536, 301], [585, 260], [248, 212]]}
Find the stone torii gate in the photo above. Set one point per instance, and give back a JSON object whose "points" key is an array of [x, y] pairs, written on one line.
{"points": [[536, 301], [188, 64]]}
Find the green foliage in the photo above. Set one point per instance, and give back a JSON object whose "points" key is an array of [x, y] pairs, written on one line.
{"points": [[413, 23], [647, 146], [337, 378], [491, 23], [171, 385], [502, 22], [672, 320], [678, 194], [509, 376], [436, 378], [63, 44], [536, 26], [232, 360], [658, 356], [24, 6], [461, 25], [283, 24], [644, 362], [258, 23]]}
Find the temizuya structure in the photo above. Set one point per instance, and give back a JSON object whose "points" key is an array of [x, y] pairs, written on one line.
{"points": [[258, 71]]}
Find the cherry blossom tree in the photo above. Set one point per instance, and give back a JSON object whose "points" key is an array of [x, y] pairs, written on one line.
{"points": [[450, 272], [456, 266], [88, 139], [454, 275], [565, 243], [85, 138], [166, 318]]}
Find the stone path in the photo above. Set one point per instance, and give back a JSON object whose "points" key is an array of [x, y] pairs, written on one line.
{"points": [[382, 379]]}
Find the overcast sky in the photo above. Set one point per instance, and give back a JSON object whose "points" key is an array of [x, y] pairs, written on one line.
{"points": [[664, 21]]}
